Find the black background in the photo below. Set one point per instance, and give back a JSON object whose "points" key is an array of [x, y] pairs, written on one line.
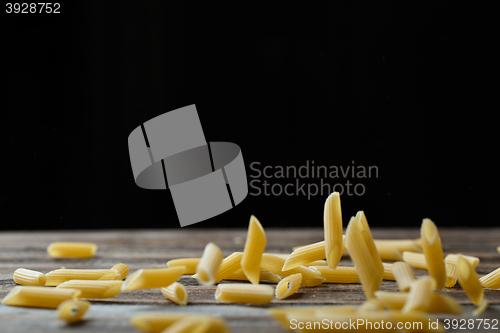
{"points": [[412, 89]]}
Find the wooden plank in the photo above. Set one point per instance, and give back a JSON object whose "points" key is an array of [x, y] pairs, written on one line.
{"points": [[153, 248]]}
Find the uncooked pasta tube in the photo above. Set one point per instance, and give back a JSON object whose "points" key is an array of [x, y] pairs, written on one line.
{"points": [[265, 275], [244, 293], [71, 250], [94, 289], [304, 255], [189, 263], [27, 277], [332, 219], [72, 310], [340, 274], [491, 280], [403, 273], [453, 259], [176, 293], [310, 277], [433, 252], [58, 276], [288, 286], [207, 268], [152, 278], [451, 275], [419, 296], [39, 297], [388, 272], [469, 281], [254, 248], [416, 260]]}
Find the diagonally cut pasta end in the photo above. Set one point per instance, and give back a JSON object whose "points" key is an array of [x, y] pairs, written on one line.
{"points": [[429, 231], [132, 278], [7, 299]]}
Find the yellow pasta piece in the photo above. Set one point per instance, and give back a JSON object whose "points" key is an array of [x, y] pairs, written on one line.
{"points": [[410, 245], [58, 276], [339, 275], [481, 308], [274, 264], [416, 260], [363, 253], [433, 252], [265, 275], [388, 272], [392, 300], [39, 297], [72, 310], [444, 304], [304, 255], [498, 249], [121, 271], [156, 322], [389, 253], [244, 293], [152, 278], [71, 250], [403, 273], [94, 289], [288, 286], [419, 296], [189, 324], [176, 293], [189, 263], [453, 259], [254, 248], [206, 271], [451, 275], [228, 266], [27, 277], [332, 219], [491, 280], [469, 281]]}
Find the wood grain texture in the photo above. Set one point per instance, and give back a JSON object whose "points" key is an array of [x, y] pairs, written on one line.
{"points": [[153, 248]]}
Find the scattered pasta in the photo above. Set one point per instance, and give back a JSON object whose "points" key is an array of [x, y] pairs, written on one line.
{"points": [[94, 288], [189, 263], [206, 271], [72, 310], [27, 277], [71, 250], [254, 248], [152, 278], [244, 293], [274, 264], [176, 293], [58, 276]]}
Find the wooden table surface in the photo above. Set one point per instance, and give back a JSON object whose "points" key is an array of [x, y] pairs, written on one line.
{"points": [[153, 248]]}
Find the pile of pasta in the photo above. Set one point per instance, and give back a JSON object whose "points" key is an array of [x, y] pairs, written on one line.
{"points": [[417, 300]]}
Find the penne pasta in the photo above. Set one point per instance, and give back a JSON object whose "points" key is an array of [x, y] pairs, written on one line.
{"points": [[152, 278], [339, 275], [27, 277], [388, 272], [288, 286], [389, 253], [71, 250], [229, 265], [304, 255], [332, 220], [189, 263], [72, 310], [469, 281], [433, 252], [403, 273], [273, 264], [207, 268], [190, 324], [94, 289], [439, 304], [39, 297], [121, 270], [491, 280], [419, 296], [244, 293], [481, 308], [364, 255], [451, 275], [371, 305], [254, 248], [176, 293], [416, 260], [402, 245], [265, 275], [453, 259], [58, 276]]}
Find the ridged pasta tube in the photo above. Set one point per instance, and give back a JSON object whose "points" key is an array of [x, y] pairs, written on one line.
{"points": [[288, 286], [39, 297], [332, 220], [254, 248], [28, 277], [433, 252], [404, 275], [419, 296], [152, 278], [176, 293], [207, 268], [71, 250], [72, 310], [94, 289], [469, 281], [244, 293]]}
